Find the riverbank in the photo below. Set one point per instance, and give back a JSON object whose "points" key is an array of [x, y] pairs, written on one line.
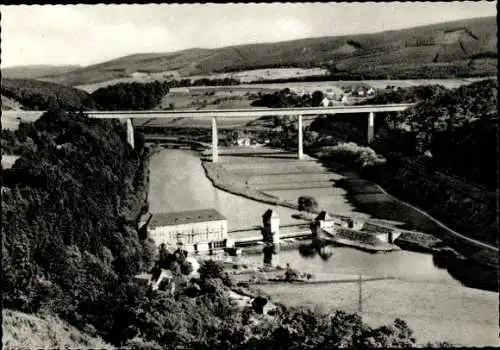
{"points": [[473, 263], [232, 183], [375, 200], [235, 183]]}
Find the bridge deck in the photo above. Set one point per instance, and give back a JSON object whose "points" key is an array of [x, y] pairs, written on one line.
{"points": [[249, 112]]}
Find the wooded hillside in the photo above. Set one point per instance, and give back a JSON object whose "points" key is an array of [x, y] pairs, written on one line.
{"points": [[38, 95], [444, 50]]}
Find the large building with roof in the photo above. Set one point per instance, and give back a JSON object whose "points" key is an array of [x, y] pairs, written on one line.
{"points": [[196, 230]]}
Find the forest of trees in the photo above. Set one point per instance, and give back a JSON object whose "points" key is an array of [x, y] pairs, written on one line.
{"points": [[447, 147], [287, 98], [41, 95], [130, 96], [456, 128]]}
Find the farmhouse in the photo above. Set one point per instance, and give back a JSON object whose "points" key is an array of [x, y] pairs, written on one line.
{"points": [[244, 141], [325, 102], [197, 231]]}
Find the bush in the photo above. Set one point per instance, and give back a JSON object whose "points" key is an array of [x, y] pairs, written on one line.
{"points": [[308, 203], [291, 275], [186, 268], [210, 269], [352, 155]]}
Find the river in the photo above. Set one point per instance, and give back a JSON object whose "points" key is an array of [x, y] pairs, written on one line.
{"points": [[451, 312]]}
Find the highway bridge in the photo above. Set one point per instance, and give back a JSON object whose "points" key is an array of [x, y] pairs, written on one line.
{"points": [[213, 114]]}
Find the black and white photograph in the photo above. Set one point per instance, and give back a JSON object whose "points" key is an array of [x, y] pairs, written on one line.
{"points": [[311, 175]]}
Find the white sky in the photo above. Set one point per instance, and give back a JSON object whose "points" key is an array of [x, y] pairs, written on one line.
{"points": [[88, 34]]}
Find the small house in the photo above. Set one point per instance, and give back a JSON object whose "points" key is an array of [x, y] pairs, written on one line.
{"points": [[244, 141], [325, 102]]}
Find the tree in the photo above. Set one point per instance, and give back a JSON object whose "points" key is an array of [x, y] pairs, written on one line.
{"points": [[307, 203], [210, 269], [317, 97], [186, 268]]}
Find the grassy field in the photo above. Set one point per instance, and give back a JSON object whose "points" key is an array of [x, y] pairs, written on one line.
{"points": [[266, 74], [222, 123], [209, 98], [244, 76], [460, 315], [268, 173]]}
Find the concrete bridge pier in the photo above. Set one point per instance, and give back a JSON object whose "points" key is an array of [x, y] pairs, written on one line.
{"points": [[215, 140], [371, 126], [130, 132], [300, 141]]}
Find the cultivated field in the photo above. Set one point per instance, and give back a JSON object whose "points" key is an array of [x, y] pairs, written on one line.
{"points": [[336, 85], [266, 74], [222, 123], [259, 76], [283, 176], [244, 76]]}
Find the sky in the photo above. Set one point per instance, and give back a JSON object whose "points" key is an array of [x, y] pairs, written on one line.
{"points": [[89, 34]]}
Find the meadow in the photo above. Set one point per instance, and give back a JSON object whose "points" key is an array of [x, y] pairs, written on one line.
{"points": [[468, 323]]}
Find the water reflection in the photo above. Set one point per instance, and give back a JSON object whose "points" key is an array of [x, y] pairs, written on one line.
{"points": [[268, 252], [320, 247]]}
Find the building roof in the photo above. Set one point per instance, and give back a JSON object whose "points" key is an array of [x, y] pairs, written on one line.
{"points": [[185, 217]]}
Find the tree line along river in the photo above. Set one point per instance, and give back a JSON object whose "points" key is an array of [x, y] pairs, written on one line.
{"points": [[436, 305]]}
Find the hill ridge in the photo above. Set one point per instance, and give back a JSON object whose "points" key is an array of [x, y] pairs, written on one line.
{"points": [[449, 49]]}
